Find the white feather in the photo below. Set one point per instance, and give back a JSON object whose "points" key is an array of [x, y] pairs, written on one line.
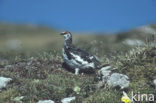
{"points": [[73, 62], [84, 63]]}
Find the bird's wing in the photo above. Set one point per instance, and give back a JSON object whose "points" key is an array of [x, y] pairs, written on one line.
{"points": [[82, 54]]}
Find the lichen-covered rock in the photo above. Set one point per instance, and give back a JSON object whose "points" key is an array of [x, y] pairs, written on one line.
{"points": [[134, 42], [45, 101], [120, 80], [4, 81], [68, 100], [112, 79], [104, 73]]}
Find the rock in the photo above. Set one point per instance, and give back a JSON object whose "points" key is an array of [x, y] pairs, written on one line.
{"points": [[45, 101], [154, 81], [117, 79], [68, 100], [4, 81], [104, 73], [18, 99], [134, 42], [147, 29]]}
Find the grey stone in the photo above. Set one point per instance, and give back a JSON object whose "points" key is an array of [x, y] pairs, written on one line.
{"points": [[4, 81], [45, 101], [120, 80], [68, 100]]}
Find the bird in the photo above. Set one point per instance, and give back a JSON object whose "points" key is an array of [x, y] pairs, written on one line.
{"points": [[76, 58]]}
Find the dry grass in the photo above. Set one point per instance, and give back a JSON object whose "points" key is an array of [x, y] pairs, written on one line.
{"points": [[37, 73]]}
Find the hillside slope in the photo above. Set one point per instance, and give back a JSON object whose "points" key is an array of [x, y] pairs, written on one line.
{"points": [[37, 74]]}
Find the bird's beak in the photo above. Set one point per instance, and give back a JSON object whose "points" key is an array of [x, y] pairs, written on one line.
{"points": [[62, 33]]}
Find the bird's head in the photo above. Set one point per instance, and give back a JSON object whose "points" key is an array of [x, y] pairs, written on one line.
{"points": [[67, 35]]}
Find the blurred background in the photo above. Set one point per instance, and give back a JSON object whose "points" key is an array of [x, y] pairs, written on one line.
{"points": [[32, 25]]}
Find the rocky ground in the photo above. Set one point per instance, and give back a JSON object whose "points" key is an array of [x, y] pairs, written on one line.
{"points": [[38, 76]]}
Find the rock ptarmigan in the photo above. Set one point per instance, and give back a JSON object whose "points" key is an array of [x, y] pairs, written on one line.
{"points": [[76, 58]]}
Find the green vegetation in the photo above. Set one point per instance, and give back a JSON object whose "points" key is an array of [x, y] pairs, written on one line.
{"points": [[37, 73]]}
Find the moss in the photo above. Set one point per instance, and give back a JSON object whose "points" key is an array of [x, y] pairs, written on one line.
{"points": [[40, 76], [8, 95], [104, 96]]}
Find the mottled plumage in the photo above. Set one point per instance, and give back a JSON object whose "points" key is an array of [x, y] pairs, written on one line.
{"points": [[76, 58]]}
